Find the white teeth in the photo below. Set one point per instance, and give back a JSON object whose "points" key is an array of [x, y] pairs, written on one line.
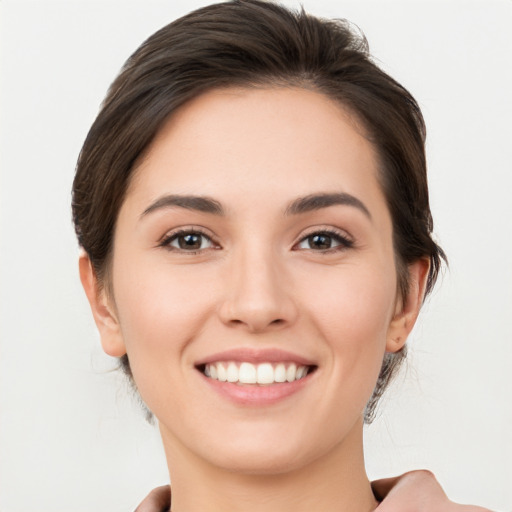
{"points": [[248, 373], [265, 373], [232, 373], [301, 372], [221, 373], [291, 373], [280, 373]]}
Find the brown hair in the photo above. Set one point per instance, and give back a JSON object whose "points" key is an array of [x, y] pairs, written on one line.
{"points": [[253, 43]]}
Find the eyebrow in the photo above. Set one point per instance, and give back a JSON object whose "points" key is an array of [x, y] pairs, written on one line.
{"points": [[300, 205], [318, 201], [198, 203]]}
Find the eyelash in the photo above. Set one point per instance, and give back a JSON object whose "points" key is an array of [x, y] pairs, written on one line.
{"points": [[337, 236], [343, 241], [175, 235]]}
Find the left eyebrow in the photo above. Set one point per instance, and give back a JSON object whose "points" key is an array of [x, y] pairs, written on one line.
{"points": [[198, 203], [318, 201]]}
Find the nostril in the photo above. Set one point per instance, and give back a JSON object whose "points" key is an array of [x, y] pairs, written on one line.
{"points": [[254, 324]]}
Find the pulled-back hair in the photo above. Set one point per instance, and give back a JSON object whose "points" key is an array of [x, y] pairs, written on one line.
{"points": [[253, 43]]}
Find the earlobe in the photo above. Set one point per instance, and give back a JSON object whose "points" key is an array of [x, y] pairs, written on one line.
{"points": [[102, 311], [408, 309]]}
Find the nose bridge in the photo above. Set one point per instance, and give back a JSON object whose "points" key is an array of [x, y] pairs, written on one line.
{"points": [[258, 293]]}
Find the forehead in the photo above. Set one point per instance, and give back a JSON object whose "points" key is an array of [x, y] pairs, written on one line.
{"points": [[283, 141]]}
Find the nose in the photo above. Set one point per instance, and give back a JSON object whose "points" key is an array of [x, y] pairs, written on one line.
{"points": [[259, 295]]}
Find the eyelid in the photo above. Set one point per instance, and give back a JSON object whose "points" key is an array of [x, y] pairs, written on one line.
{"points": [[172, 234], [346, 240]]}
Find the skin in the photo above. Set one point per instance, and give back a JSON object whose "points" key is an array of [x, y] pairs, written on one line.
{"points": [[258, 281], [415, 491]]}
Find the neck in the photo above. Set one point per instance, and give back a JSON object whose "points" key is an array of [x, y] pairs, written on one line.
{"points": [[333, 482]]}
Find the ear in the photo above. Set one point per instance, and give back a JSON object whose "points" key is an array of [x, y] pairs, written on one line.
{"points": [[102, 311], [408, 308]]}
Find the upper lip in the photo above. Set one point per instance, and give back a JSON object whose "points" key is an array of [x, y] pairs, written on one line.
{"points": [[253, 355]]}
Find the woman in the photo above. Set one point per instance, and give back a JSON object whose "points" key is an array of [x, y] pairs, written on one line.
{"points": [[253, 205]]}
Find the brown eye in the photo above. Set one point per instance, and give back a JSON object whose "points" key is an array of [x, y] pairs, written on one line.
{"points": [[324, 241], [190, 241], [321, 242]]}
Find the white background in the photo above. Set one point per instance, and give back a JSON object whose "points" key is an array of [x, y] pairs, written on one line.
{"points": [[71, 438]]}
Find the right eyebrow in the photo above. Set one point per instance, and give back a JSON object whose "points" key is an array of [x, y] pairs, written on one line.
{"points": [[325, 200], [199, 203]]}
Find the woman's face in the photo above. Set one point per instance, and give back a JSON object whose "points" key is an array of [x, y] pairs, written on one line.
{"points": [[255, 245]]}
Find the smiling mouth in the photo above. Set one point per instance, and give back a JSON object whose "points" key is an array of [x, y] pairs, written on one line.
{"points": [[262, 374]]}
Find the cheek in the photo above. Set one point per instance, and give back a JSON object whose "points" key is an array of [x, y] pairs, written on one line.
{"points": [[160, 308], [356, 299], [353, 314], [160, 311]]}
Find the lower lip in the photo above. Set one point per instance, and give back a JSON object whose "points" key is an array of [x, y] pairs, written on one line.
{"points": [[254, 395]]}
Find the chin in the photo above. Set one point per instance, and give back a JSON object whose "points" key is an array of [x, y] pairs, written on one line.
{"points": [[268, 451], [264, 462]]}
